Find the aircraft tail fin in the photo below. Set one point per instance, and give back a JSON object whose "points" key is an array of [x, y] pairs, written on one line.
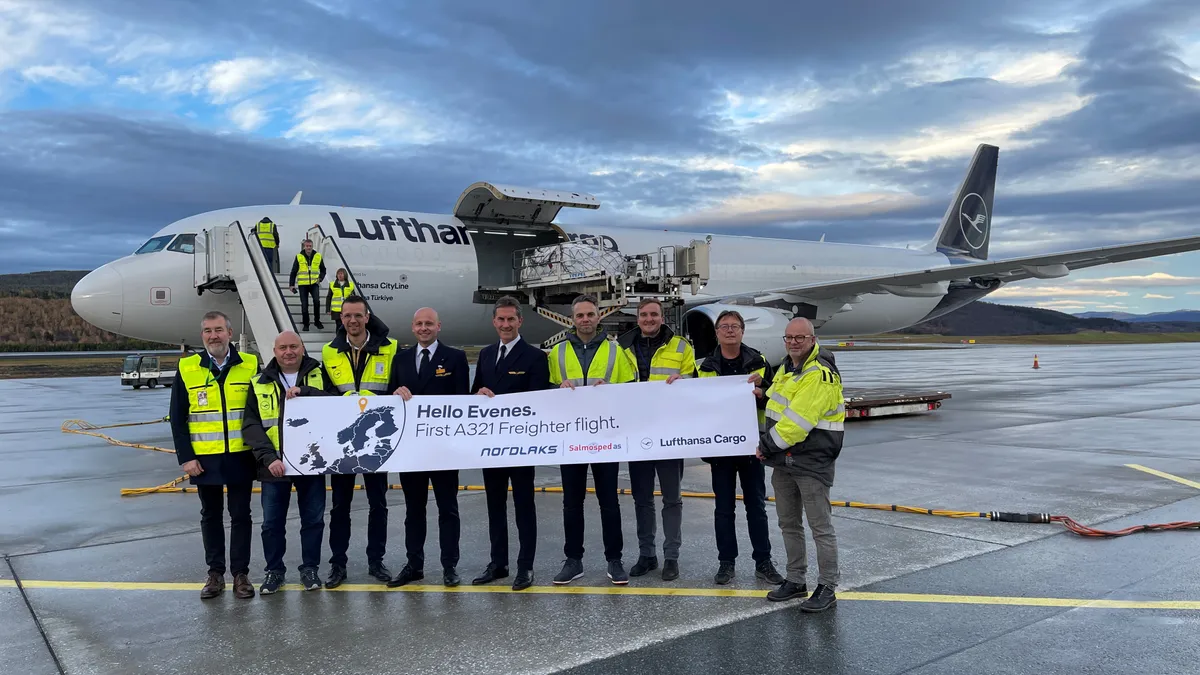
{"points": [[967, 226]]}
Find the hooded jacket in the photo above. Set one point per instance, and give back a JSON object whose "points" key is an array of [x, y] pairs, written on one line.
{"points": [[377, 338]]}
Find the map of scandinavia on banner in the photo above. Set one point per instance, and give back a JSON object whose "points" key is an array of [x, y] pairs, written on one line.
{"points": [[694, 417]]}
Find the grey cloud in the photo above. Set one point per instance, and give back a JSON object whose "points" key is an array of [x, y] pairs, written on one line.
{"points": [[541, 89], [1142, 98], [90, 173], [901, 110], [623, 74]]}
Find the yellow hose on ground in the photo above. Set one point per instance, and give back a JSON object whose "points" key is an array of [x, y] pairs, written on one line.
{"points": [[89, 429], [172, 488]]}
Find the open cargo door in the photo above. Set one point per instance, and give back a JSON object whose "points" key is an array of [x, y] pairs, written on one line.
{"points": [[507, 205]]}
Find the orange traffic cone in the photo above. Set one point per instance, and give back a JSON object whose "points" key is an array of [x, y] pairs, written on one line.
{"points": [[1035, 363]]}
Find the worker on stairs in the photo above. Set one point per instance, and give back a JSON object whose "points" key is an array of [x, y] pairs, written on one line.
{"points": [[308, 271]]}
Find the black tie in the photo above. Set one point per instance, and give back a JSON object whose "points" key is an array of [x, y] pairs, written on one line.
{"points": [[503, 348], [424, 362]]}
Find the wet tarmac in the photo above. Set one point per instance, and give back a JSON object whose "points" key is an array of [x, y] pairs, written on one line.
{"points": [[111, 584]]}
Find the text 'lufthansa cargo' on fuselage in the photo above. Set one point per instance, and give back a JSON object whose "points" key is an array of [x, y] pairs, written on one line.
{"points": [[413, 230]]}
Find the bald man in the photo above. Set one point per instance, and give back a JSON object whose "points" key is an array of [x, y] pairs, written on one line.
{"points": [[429, 368], [805, 415], [290, 373]]}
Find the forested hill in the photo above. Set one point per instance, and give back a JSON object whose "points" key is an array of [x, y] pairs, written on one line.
{"points": [[985, 318], [36, 315], [51, 284]]}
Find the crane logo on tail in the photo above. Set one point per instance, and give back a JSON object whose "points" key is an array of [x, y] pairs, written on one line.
{"points": [[973, 219]]}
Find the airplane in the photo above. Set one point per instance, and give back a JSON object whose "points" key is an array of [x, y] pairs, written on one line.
{"points": [[402, 261]]}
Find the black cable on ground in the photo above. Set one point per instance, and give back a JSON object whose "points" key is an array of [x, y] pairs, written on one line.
{"points": [[37, 621]]}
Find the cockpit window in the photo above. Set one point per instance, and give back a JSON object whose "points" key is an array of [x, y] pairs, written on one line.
{"points": [[184, 243], [155, 244]]}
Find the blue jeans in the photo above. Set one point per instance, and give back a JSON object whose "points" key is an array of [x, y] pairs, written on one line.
{"points": [[310, 498], [269, 254]]}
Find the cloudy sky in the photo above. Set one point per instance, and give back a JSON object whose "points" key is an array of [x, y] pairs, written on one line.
{"points": [[788, 118]]}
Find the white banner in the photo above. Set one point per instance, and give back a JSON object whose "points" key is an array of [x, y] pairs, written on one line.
{"points": [[702, 417]]}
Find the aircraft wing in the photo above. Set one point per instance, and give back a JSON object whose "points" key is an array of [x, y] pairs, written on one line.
{"points": [[931, 281]]}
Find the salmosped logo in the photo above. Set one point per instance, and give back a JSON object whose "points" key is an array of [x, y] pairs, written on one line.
{"points": [[594, 448]]}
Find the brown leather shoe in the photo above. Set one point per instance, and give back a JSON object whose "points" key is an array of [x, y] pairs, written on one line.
{"points": [[242, 587], [213, 587]]}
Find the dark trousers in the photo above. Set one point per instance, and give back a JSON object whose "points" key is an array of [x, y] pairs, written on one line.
{"points": [[310, 500], [269, 254], [306, 292], [574, 480], [725, 474], [337, 319], [495, 483], [212, 526], [641, 479], [342, 484], [416, 498]]}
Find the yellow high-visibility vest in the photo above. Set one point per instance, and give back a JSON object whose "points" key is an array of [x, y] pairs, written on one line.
{"points": [[215, 408], [675, 357], [266, 238], [339, 294], [308, 274], [268, 396], [609, 364], [375, 374]]}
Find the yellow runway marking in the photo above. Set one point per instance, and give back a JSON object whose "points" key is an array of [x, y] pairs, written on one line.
{"points": [[192, 587], [1163, 474]]}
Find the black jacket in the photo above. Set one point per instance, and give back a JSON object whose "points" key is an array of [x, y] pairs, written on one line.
{"points": [[525, 368], [645, 347], [223, 469], [748, 361], [448, 374], [252, 429], [377, 335], [296, 269]]}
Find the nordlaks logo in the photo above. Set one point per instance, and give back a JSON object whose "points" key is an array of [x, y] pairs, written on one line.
{"points": [[973, 220]]}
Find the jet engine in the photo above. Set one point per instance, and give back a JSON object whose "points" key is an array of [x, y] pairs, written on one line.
{"points": [[764, 329]]}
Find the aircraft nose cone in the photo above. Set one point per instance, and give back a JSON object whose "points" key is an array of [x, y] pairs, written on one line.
{"points": [[97, 298]]}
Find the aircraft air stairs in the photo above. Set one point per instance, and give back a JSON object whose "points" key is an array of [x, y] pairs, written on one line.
{"points": [[228, 259]]}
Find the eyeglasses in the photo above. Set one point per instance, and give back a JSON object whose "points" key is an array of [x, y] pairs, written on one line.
{"points": [[729, 327], [796, 338]]}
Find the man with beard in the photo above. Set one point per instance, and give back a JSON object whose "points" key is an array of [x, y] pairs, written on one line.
{"points": [[208, 398], [656, 353], [589, 358]]}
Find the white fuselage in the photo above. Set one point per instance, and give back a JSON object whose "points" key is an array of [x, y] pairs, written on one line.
{"points": [[401, 268]]}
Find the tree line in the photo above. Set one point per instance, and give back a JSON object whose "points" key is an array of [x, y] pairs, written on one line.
{"points": [[31, 323]]}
